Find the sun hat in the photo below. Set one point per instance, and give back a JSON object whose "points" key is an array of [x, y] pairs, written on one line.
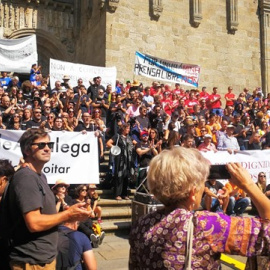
{"points": [[60, 182]]}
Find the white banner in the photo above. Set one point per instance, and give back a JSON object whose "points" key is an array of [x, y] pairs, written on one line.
{"points": [[165, 70], [254, 161], [74, 158], [18, 55], [75, 71]]}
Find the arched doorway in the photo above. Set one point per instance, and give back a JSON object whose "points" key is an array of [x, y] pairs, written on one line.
{"points": [[48, 46]]}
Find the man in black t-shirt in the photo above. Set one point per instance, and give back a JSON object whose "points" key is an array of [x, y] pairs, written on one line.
{"points": [[216, 196], [32, 208]]}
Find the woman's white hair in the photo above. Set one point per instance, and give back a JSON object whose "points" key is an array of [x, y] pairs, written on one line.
{"points": [[173, 174]]}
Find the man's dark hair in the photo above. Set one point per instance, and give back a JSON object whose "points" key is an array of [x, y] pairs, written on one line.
{"points": [[29, 137], [6, 169], [187, 137]]}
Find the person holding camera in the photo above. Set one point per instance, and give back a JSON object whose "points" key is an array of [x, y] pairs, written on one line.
{"points": [[175, 236]]}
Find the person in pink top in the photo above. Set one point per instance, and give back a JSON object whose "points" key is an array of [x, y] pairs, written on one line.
{"points": [[133, 110], [207, 144]]}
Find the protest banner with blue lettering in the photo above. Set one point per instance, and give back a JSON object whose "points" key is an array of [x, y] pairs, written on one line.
{"points": [[75, 71], [165, 70], [254, 161], [74, 157]]}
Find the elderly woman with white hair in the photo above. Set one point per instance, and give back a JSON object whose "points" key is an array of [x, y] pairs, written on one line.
{"points": [[176, 237]]}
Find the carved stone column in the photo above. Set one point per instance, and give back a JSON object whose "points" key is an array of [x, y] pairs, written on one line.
{"points": [[264, 6], [195, 12], [156, 8], [232, 15], [112, 5]]}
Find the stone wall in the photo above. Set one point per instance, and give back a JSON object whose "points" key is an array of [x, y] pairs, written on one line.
{"points": [[91, 44], [225, 58]]}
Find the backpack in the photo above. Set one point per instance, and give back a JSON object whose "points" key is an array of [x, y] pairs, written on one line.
{"points": [[62, 259]]}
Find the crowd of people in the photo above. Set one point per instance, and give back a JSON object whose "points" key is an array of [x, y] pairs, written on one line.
{"points": [[141, 120], [138, 124]]}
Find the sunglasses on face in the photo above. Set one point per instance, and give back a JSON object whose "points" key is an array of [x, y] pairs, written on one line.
{"points": [[42, 145], [262, 175], [62, 186], [84, 190]]}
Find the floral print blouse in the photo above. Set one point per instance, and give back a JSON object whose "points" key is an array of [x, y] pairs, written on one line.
{"points": [[158, 240]]}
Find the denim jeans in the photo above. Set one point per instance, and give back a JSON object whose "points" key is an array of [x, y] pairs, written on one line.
{"points": [[237, 207]]}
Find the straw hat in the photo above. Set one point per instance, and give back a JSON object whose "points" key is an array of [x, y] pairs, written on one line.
{"points": [[60, 182]]}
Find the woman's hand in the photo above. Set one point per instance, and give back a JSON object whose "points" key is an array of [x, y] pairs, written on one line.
{"points": [[239, 176]]}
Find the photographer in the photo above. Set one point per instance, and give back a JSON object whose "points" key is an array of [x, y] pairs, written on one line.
{"points": [[158, 118], [117, 111]]}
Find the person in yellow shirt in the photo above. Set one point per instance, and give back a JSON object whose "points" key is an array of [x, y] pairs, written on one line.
{"points": [[238, 201]]}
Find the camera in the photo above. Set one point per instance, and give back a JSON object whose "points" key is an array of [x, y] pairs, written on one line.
{"points": [[219, 172]]}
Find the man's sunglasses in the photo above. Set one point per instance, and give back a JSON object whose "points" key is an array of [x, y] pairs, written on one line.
{"points": [[42, 145]]}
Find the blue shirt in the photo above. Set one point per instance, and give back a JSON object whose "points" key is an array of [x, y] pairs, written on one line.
{"points": [[79, 244]]}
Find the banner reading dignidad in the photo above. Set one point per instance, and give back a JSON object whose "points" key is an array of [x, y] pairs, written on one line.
{"points": [[165, 70], [74, 157]]}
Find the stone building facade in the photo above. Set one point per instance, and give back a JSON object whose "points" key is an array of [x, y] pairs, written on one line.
{"points": [[229, 39]]}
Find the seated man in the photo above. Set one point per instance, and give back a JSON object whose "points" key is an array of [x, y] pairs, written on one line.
{"points": [[216, 197], [74, 248], [238, 201]]}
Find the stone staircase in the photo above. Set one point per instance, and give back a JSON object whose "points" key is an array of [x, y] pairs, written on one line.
{"points": [[116, 215]]}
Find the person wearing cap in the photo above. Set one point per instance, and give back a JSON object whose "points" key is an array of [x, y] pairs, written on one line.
{"points": [[93, 201], [146, 150], [62, 199], [65, 82], [228, 142], [207, 144]]}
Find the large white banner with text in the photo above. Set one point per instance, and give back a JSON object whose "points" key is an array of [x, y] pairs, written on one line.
{"points": [[254, 161], [75, 71], [18, 55], [74, 157], [165, 70]]}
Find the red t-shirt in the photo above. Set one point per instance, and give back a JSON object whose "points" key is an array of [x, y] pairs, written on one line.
{"points": [[230, 95], [190, 103], [217, 103], [167, 105], [204, 95]]}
